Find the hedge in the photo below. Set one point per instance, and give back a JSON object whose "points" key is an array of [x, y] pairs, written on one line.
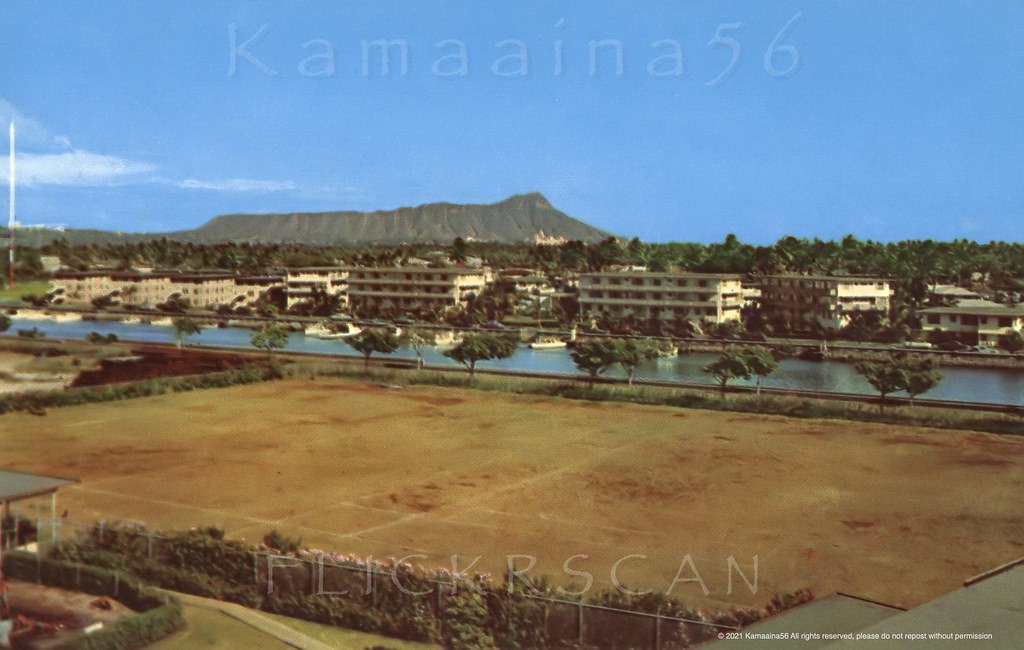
{"points": [[158, 614], [480, 614], [39, 401]]}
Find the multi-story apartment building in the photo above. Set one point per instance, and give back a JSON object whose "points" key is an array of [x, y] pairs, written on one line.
{"points": [[712, 297], [974, 321], [148, 289], [301, 282], [249, 289], [410, 289], [828, 300]]}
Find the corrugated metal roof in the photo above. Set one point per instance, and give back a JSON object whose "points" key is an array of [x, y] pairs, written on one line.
{"points": [[20, 485], [992, 605], [838, 613]]}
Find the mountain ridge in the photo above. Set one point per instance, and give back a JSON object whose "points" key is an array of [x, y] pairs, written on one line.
{"points": [[520, 218]]}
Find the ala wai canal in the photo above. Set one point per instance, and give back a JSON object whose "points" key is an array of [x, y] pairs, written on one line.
{"points": [[989, 385]]}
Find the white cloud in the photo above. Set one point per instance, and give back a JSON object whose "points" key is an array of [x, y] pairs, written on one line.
{"points": [[57, 162], [238, 185], [75, 168]]}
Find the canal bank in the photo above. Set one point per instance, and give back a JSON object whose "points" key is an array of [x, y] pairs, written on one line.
{"points": [[960, 383]]}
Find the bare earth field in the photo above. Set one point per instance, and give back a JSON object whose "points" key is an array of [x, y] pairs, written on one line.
{"points": [[891, 513]]}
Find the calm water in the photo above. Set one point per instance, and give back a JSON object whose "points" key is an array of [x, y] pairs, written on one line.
{"points": [[970, 384]]}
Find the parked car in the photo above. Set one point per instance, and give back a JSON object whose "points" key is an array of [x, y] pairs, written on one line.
{"points": [[953, 346], [492, 325], [917, 345], [984, 349]]}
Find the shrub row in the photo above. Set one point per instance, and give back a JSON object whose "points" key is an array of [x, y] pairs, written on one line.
{"points": [[479, 613], [38, 402], [157, 614]]}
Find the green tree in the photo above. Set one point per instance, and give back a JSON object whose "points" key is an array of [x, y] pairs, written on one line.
{"points": [[594, 357], [761, 362], [418, 338], [1012, 342], [482, 347], [731, 364], [184, 328], [459, 251], [885, 377], [372, 340], [630, 353], [269, 337], [5, 322], [922, 376]]}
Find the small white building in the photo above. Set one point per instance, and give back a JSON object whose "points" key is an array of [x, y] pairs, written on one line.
{"points": [[976, 322]]}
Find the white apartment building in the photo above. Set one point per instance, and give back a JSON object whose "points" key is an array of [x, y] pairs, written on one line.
{"points": [[828, 300], [411, 289], [712, 297], [974, 321], [150, 289], [250, 288], [301, 282]]}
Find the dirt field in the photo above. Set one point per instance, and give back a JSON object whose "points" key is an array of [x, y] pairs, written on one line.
{"points": [[895, 514]]}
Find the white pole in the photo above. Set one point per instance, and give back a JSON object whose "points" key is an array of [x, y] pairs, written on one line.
{"points": [[10, 219]]}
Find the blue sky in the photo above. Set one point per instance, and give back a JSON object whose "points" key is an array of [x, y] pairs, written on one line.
{"points": [[900, 119]]}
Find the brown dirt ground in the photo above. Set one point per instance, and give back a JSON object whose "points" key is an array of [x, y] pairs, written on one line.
{"points": [[892, 513]]}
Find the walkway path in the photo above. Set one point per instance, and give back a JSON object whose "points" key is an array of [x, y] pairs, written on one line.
{"points": [[256, 620]]}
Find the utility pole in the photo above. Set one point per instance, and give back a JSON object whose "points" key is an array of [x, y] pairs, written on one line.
{"points": [[10, 220]]}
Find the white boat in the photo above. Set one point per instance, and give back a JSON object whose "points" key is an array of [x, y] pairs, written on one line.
{"points": [[444, 338], [317, 330], [547, 344], [161, 321], [66, 318], [325, 333], [30, 314]]}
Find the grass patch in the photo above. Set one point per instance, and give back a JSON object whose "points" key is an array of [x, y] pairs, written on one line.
{"points": [[37, 287]]}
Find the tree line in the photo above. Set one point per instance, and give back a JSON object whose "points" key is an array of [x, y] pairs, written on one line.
{"points": [[1001, 264]]}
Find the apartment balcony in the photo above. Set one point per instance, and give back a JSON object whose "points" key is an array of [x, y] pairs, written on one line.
{"points": [[419, 295], [661, 304]]}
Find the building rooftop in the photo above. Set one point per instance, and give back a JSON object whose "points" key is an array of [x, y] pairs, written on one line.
{"points": [[953, 291], [21, 485], [840, 278], [668, 274], [990, 604], [839, 613], [977, 307], [454, 270]]}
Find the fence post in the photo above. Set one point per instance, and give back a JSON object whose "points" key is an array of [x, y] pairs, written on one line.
{"points": [[149, 544], [657, 629], [255, 568], [439, 609], [312, 576], [117, 582], [579, 621]]}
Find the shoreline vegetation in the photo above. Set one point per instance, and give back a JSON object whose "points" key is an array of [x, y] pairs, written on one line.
{"points": [[846, 351], [1008, 420]]}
